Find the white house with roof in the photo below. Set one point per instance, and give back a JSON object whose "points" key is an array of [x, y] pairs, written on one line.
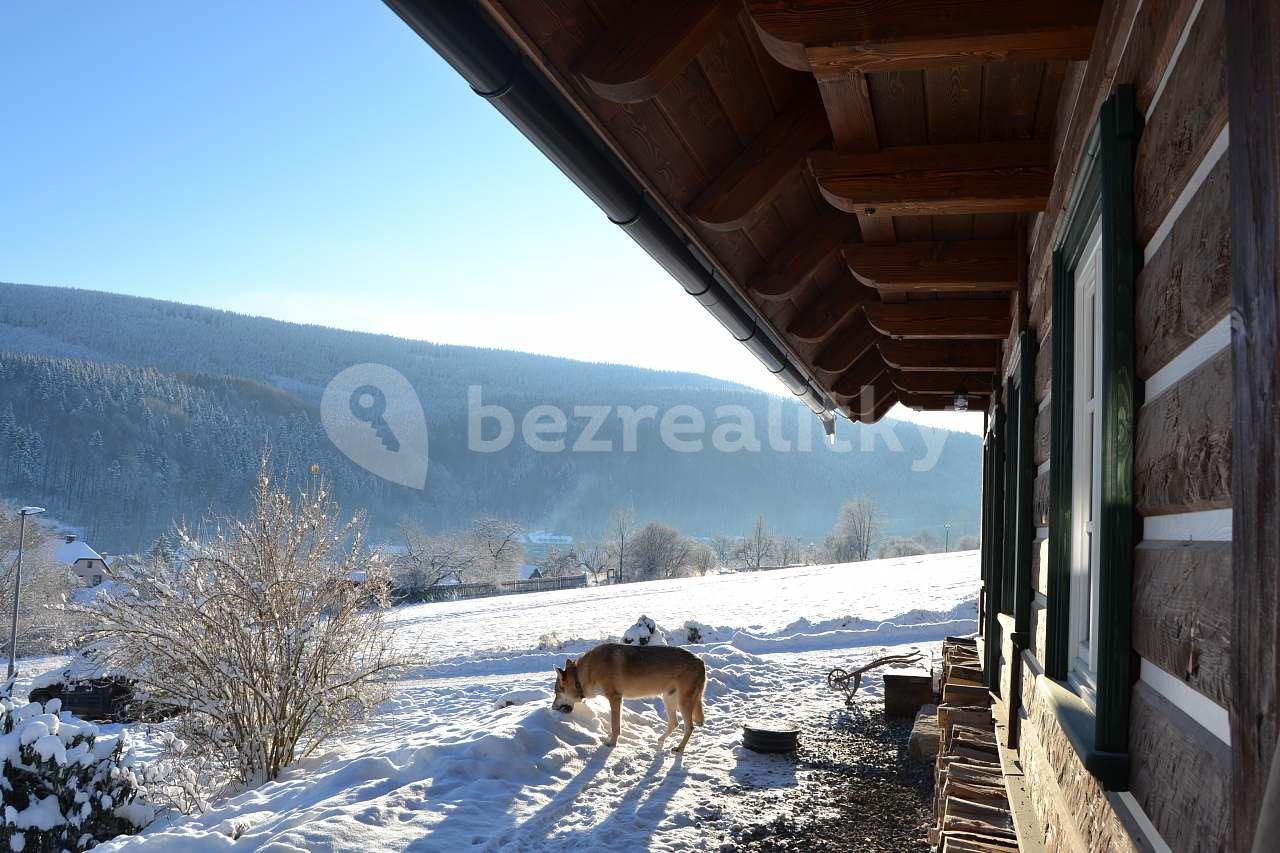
{"points": [[75, 554]]}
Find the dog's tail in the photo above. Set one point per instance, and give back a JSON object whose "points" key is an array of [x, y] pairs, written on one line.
{"points": [[698, 719]]}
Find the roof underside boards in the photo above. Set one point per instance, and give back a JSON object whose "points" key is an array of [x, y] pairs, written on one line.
{"points": [[856, 169]]}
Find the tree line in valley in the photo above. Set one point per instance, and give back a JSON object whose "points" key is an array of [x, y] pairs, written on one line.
{"points": [[491, 550], [125, 415]]}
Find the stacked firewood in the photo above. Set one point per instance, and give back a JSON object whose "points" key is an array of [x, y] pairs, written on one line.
{"points": [[970, 804]]}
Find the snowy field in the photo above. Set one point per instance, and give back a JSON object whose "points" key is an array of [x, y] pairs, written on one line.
{"points": [[443, 767]]}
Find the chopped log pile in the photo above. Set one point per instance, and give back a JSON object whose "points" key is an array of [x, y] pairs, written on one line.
{"points": [[971, 806]]}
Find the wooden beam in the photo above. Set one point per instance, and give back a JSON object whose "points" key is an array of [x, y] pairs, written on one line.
{"points": [[956, 356], [821, 316], [940, 403], [1253, 92], [853, 131], [794, 264], [919, 382], [734, 199], [868, 368], [644, 51], [966, 319], [974, 265], [878, 409], [985, 177], [905, 35], [873, 401], [847, 344]]}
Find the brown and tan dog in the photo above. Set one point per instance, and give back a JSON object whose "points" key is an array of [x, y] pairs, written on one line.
{"points": [[620, 672]]}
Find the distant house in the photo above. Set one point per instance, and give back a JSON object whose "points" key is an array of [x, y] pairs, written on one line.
{"points": [[529, 572], [88, 564]]}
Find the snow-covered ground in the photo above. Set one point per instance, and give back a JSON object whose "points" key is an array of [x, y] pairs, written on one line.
{"points": [[447, 764]]}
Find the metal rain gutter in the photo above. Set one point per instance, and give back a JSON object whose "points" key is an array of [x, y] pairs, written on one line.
{"points": [[497, 72]]}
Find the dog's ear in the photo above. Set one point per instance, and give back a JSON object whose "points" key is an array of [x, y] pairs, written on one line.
{"points": [[559, 671], [568, 664]]}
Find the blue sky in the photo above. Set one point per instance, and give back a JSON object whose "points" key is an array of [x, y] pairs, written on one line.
{"points": [[314, 162]]}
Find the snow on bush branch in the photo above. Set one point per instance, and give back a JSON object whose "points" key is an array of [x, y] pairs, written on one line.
{"points": [[65, 788], [267, 635]]}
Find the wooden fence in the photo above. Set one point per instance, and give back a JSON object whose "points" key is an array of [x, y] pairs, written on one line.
{"points": [[461, 591]]}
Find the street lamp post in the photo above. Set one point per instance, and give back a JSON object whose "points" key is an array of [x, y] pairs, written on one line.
{"points": [[17, 585], [947, 547]]}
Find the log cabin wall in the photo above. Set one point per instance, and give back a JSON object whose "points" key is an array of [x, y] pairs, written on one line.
{"points": [[1172, 53]]}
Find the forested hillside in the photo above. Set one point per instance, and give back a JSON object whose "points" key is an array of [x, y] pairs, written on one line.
{"points": [[122, 414]]}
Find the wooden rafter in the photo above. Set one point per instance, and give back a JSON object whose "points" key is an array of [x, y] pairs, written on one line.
{"points": [[645, 52], [938, 403], [945, 265], [972, 319], [941, 355], [903, 35], [821, 316], [927, 382], [864, 372], [795, 263], [873, 401], [735, 198], [986, 177], [853, 338]]}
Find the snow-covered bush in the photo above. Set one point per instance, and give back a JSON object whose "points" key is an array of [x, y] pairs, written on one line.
{"points": [[644, 633], [65, 788], [269, 635]]}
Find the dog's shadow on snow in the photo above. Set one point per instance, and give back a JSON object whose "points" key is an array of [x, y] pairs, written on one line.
{"points": [[645, 802]]}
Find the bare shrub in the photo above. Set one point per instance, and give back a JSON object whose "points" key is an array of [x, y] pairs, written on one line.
{"points": [[268, 635], [45, 625], [757, 548], [856, 533], [657, 551], [430, 559]]}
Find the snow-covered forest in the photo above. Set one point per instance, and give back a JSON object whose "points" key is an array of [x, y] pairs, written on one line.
{"points": [[122, 415]]}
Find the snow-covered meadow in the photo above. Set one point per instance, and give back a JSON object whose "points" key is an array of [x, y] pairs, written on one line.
{"points": [[469, 754]]}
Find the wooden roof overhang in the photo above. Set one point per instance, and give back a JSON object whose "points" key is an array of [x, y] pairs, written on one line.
{"points": [[855, 170]]}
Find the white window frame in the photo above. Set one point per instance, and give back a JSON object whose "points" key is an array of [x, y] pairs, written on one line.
{"points": [[1087, 470]]}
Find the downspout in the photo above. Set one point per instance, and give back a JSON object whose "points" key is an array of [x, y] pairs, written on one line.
{"points": [[462, 35]]}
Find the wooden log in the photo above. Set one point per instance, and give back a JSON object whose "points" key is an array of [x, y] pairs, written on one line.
{"points": [[1182, 452], [959, 265], [957, 694], [883, 35], [1182, 612], [1186, 286], [940, 355], [956, 841], [947, 384], [1190, 114], [964, 672], [987, 177], [1179, 772], [964, 319], [1253, 31]]}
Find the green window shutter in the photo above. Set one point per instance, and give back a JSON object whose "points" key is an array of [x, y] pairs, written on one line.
{"points": [[1104, 191], [1024, 521], [1008, 591], [996, 550], [1120, 258]]}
